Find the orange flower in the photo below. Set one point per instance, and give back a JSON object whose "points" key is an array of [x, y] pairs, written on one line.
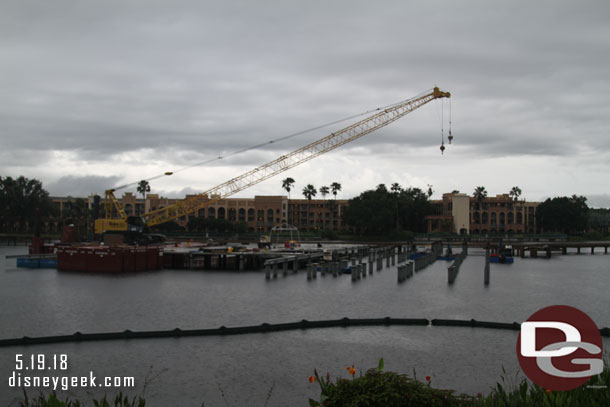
{"points": [[352, 371], [548, 391], [428, 378], [348, 367], [312, 379]]}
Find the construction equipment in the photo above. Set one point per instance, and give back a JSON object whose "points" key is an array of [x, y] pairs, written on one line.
{"points": [[116, 220]]}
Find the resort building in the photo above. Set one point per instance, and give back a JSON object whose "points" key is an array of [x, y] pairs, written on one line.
{"points": [[262, 213], [465, 215], [454, 213], [259, 214]]}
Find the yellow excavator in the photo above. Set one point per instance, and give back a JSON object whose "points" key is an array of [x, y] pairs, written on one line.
{"points": [[115, 219]]}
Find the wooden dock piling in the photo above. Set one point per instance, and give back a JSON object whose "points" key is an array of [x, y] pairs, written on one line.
{"points": [[486, 271]]}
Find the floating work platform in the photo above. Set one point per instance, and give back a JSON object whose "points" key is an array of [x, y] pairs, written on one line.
{"points": [[446, 258], [105, 259], [236, 257], [494, 258], [417, 255], [37, 262]]}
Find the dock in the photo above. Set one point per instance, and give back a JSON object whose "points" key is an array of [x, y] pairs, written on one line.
{"points": [[548, 248]]}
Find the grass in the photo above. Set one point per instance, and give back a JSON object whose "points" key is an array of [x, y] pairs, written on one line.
{"points": [[51, 400]]}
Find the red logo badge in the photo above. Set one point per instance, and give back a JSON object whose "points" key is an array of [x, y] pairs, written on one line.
{"points": [[559, 348]]}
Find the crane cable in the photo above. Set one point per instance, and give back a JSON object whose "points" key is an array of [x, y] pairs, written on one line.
{"points": [[442, 127], [450, 137], [268, 142]]}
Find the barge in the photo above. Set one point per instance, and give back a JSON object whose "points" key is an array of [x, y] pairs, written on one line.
{"points": [[113, 259]]}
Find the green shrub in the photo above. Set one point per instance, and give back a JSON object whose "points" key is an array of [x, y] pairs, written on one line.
{"points": [[388, 389]]}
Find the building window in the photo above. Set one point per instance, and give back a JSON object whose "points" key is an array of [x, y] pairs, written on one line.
{"points": [[242, 215], [493, 218], [211, 213], [502, 218], [250, 215], [221, 213], [476, 218], [510, 218]]}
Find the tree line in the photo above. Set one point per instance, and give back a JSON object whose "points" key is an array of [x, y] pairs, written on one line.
{"points": [[382, 211], [569, 215], [25, 205]]}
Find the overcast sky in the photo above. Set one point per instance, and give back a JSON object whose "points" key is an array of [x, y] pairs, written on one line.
{"points": [[95, 94]]}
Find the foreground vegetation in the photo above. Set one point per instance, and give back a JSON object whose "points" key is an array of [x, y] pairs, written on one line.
{"points": [[51, 400], [379, 388]]}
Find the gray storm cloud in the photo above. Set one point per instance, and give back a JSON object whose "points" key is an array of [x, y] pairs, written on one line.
{"points": [[185, 81]]}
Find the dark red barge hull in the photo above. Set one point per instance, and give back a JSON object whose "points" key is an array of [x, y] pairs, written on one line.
{"points": [[105, 259]]}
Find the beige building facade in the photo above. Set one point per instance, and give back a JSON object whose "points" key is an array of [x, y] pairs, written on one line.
{"points": [[259, 214], [454, 213], [465, 215]]}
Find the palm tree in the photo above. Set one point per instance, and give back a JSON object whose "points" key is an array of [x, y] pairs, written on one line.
{"points": [[324, 190], [480, 193], [381, 188], [395, 188], [287, 185], [309, 191], [515, 192], [143, 188], [335, 187]]}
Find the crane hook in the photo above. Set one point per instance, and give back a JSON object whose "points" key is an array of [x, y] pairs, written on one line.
{"points": [[450, 137], [443, 148]]}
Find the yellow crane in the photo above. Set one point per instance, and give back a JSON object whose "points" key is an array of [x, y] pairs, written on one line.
{"points": [[116, 220]]}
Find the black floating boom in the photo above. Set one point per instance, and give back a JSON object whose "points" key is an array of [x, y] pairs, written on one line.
{"points": [[262, 328]]}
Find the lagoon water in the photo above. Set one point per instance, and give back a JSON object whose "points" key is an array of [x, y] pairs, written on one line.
{"points": [[272, 368]]}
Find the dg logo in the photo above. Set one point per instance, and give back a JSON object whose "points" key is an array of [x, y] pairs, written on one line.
{"points": [[560, 348]]}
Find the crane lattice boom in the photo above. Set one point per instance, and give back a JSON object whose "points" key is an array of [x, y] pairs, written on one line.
{"points": [[290, 160]]}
